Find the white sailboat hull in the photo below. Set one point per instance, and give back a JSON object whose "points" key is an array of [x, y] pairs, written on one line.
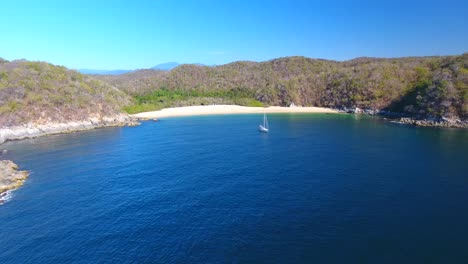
{"points": [[262, 129]]}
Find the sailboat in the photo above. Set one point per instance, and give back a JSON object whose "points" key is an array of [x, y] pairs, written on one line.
{"points": [[264, 127]]}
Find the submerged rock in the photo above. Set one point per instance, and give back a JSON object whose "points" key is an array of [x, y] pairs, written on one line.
{"points": [[10, 177]]}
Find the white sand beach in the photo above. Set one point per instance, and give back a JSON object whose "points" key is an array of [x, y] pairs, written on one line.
{"points": [[227, 109]]}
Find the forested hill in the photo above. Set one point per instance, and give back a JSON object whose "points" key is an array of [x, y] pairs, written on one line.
{"points": [[418, 86], [41, 92]]}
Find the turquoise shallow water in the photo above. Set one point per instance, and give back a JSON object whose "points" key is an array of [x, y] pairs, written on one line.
{"points": [[317, 189]]}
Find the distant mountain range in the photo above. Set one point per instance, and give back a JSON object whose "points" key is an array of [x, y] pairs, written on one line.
{"points": [[163, 67], [166, 66]]}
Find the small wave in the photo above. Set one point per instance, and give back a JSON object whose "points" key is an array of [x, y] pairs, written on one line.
{"points": [[6, 196]]}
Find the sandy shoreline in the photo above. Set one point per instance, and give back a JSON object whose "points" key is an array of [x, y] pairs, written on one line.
{"points": [[227, 109]]}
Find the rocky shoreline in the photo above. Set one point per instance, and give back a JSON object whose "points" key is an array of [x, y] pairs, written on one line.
{"points": [[433, 122], [10, 178], [32, 130], [403, 119]]}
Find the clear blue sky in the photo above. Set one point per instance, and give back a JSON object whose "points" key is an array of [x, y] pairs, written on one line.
{"points": [[140, 34]]}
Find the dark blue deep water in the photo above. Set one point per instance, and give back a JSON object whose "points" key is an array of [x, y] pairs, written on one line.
{"points": [[317, 189]]}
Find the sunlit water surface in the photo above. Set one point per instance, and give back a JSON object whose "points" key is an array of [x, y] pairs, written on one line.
{"points": [[317, 189]]}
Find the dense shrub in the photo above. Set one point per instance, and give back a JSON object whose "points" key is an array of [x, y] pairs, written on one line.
{"points": [[42, 92], [426, 86]]}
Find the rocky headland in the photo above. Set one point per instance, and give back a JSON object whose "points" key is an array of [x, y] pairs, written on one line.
{"points": [[10, 178], [31, 130]]}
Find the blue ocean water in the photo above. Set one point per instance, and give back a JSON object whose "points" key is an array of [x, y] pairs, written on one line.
{"points": [[317, 189]]}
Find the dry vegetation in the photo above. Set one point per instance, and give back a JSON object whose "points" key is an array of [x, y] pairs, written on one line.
{"points": [[41, 92], [418, 86]]}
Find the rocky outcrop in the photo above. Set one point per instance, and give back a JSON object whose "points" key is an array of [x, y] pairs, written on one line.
{"points": [[434, 122], [32, 130], [404, 119], [367, 111], [10, 177]]}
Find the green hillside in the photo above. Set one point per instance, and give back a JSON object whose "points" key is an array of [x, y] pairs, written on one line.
{"points": [[41, 92], [417, 86]]}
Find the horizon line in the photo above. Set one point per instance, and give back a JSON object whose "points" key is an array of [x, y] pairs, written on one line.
{"points": [[216, 65]]}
